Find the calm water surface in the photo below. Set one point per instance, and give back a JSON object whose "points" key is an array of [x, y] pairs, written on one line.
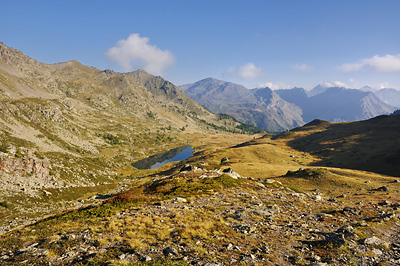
{"points": [[175, 155]]}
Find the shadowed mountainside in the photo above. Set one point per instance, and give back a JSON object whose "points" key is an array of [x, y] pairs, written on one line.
{"points": [[70, 134], [259, 202], [371, 145]]}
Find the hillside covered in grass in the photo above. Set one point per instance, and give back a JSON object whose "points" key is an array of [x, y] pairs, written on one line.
{"points": [[71, 194], [66, 127], [265, 205], [371, 145]]}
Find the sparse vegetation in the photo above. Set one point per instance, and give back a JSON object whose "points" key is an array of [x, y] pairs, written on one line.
{"points": [[4, 147], [308, 173], [4, 204], [114, 140], [257, 209], [151, 114]]}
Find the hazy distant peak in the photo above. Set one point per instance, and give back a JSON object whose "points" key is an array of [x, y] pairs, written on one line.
{"points": [[367, 88], [217, 87], [345, 91], [216, 82], [388, 89], [261, 107], [320, 88], [336, 89], [263, 92], [300, 91], [389, 96], [329, 84], [294, 95], [210, 79], [262, 87]]}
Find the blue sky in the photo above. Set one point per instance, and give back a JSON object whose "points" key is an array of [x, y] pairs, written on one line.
{"points": [[281, 43]]}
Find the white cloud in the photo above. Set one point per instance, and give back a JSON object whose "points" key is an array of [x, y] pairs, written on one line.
{"points": [[136, 52], [275, 86], [302, 67], [330, 84], [387, 63], [248, 71]]}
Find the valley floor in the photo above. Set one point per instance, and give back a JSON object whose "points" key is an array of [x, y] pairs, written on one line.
{"points": [[258, 208]]}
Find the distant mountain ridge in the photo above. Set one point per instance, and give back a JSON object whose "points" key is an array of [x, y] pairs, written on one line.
{"points": [[298, 96], [259, 107], [337, 104], [389, 96], [280, 110]]}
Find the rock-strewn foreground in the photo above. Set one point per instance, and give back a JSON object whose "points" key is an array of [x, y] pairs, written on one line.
{"points": [[70, 194], [217, 217]]}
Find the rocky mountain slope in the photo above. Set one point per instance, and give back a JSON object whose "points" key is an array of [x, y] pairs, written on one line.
{"points": [[72, 105], [208, 211], [56, 118], [298, 96], [285, 109], [389, 96], [261, 107], [71, 196]]}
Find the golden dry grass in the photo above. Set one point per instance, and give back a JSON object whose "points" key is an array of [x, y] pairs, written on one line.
{"points": [[147, 224]]}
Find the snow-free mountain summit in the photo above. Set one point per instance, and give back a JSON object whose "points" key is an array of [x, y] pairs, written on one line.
{"points": [[259, 107]]}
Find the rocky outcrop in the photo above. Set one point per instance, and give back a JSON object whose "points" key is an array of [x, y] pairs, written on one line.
{"points": [[25, 174], [242, 225], [25, 166]]}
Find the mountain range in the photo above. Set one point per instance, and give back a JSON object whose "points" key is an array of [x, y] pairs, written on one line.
{"points": [[285, 109], [72, 191], [337, 104], [259, 107], [65, 128], [54, 117], [75, 105]]}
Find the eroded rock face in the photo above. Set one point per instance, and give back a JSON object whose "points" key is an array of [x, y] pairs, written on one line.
{"points": [[25, 165], [25, 174]]}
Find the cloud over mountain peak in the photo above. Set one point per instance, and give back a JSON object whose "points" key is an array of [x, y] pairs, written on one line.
{"points": [[136, 52]]}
